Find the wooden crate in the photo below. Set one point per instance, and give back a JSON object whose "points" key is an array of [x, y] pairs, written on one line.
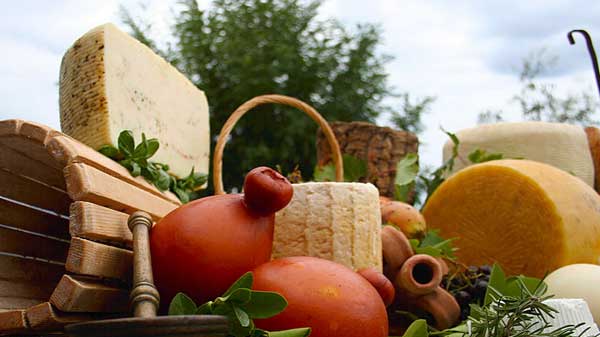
{"points": [[65, 249]]}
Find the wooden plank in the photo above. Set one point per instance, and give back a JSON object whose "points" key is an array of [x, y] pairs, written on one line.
{"points": [[20, 163], [30, 271], [98, 223], [68, 151], [100, 260], [26, 244], [19, 303], [13, 322], [45, 317], [20, 295], [27, 218], [76, 295], [29, 138], [86, 183], [33, 193]]}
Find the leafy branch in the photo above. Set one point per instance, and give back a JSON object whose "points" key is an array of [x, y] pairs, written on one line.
{"points": [[433, 244], [135, 159], [240, 305]]}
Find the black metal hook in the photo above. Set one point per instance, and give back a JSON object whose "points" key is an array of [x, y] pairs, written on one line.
{"points": [[590, 47]]}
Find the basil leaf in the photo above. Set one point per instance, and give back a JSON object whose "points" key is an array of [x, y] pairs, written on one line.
{"points": [[136, 169], [242, 316], [240, 296], [300, 332], [152, 146], [418, 328], [109, 151], [264, 304], [163, 180], [354, 168], [245, 281], [181, 304], [205, 309], [126, 143]]}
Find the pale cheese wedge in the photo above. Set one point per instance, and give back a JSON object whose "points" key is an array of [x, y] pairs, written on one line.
{"points": [[110, 82]]}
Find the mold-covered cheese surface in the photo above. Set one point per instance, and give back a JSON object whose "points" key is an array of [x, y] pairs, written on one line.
{"points": [[110, 82], [335, 221], [530, 217]]}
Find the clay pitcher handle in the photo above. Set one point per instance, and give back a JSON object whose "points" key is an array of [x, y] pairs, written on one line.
{"points": [[420, 274], [382, 284], [442, 306], [396, 249], [276, 99]]}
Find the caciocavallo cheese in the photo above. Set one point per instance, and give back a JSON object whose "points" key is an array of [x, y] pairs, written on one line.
{"points": [[335, 221], [110, 82], [530, 217], [561, 145]]}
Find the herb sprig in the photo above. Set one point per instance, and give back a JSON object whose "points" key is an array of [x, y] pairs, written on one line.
{"points": [[240, 305], [433, 244], [136, 159]]}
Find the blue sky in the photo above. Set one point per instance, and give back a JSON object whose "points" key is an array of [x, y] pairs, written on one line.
{"points": [[466, 53]]}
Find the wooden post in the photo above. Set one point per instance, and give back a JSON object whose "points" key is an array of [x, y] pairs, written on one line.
{"points": [[144, 296]]}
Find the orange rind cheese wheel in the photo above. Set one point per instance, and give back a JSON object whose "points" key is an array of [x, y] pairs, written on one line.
{"points": [[529, 217]]}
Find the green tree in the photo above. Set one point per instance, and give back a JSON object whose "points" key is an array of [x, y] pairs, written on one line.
{"points": [[236, 50], [411, 113], [538, 100]]}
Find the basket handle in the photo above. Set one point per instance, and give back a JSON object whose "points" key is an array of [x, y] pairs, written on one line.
{"points": [[276, 99]]}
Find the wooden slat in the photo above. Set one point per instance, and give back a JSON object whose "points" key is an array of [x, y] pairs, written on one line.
{"points": [[20, 295], [100, 260], [33, 193], [13, 322], [31, 219], [68, 151], [22, 243], [29, 271], [45, 317], [20, 163], [98, 223], [75, 295], [30, 138], [85, 183]]}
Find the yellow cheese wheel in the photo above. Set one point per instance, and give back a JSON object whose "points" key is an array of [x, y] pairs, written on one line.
{"points": [[530, 217]]}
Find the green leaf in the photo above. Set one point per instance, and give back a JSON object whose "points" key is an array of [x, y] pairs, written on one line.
{"points": [[141, 150], [126, 143], [407, 169], [152, 146], [136, 169], [205, 309], [497, 283], [354, 168], [245, 281], [264, 304], [324, 173], [181, 304], [241, 316], [239, 296], [163, 180], [481, 156], [433, 244], [417, 328], [110, 151], [300, 332]]}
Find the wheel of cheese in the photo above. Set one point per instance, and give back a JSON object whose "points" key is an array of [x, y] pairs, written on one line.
{"points": [[561, 145], [529, 217], [340, 222], [577, 281]]}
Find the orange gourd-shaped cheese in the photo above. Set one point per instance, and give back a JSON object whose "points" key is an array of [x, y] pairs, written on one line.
{"points": [[529, 217]]}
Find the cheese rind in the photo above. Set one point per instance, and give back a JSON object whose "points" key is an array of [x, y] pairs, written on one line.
{"points": [[529, 217], [335, 221], [561, 145], [110, 82]]}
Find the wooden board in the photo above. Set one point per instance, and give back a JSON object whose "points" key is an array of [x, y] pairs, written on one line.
{"points": [[33, 193], [13, 322], [26, 244], [100, 260], [98, 223], [45, 317], [76, 295], [31, 219], [29, 138], [20, 163], [86, 183], [68, 151]]}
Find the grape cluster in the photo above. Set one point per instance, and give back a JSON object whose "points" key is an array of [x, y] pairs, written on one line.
{"points": [[468, 285]]}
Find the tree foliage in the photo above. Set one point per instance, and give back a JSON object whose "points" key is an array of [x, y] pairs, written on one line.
{"points": [[238, 49], [539, 101]]}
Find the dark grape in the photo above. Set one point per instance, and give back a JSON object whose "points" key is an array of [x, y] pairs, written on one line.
{"points": [[463, 298], [486, 269], [480, 288]]}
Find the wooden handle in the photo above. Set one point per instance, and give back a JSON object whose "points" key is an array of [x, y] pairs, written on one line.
{"points": [[144, 296], [276, 99]]}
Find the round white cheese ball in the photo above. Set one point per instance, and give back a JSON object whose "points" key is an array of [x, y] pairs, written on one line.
{"points": [[577, 281]]}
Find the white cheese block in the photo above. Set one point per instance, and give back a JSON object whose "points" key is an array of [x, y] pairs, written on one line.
{"points": [[335, 221], [560, 145], [110, 82], [577, 281], [572, 311]]}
